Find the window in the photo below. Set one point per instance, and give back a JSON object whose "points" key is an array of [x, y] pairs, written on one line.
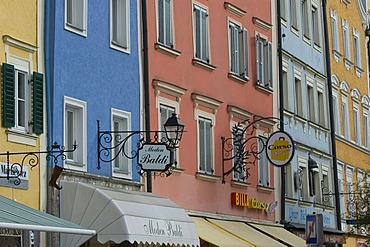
{"points": [[298, 106], [238, 39], [286, 87], [326, 184], [239, 174], [366, 129], [121, 121], [357, 48], [347, 53], [263, 164], [283, 10], [164, 22], [310, 102], [18, 102], [350, 190], [345, 118], [341, 180], [76, 15], [164, 113], [120, 24], [334, 29], [264, 62], [356, 124], [293, 14], [336, 113], [305, 20], [75, 132], [200, 16], [316, 25], [321, 112], [305, 184], [205, 145], [289, 185]]}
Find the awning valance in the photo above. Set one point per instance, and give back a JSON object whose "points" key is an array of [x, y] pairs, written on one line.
{"points": [[243, 231], [14, 215], [216, 236], [121, 215], [281, 234]]}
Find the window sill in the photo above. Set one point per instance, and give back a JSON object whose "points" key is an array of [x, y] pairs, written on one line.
{"points": [[21, 137], [237, 78], [304, 203], [70, 165], [176, 170], [167, 50], [290, 200], [337, 55], [121, 174], [359, 71], [265, 189], [263, 89], [295, 30], [347, 63], [119, 47], [202, 64], [76, 30], [207, 177], [317, 47], [236, 183], [307, 40]]}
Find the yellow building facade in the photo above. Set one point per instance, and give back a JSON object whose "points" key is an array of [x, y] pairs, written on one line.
{"points": [[349, 67], [20, 55]]}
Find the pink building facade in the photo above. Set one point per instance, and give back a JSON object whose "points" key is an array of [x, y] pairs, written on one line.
{"points": [[211, 62]]}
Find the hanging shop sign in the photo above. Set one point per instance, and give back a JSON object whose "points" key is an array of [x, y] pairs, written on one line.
{"points": [[17, 179], [243, 200], [154, 157], [280, 148]]}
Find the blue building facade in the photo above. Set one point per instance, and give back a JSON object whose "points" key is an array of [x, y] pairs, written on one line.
{"points": [[92, 74], [306, 116]]}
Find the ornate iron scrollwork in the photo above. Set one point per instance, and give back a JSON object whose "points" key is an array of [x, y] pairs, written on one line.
{"points": [[243, 146], [111, 144], [13, 171]]}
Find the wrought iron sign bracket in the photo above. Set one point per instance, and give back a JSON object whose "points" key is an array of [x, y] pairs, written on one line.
{"points": [[155, 154], [13, 171], [243, 146]]}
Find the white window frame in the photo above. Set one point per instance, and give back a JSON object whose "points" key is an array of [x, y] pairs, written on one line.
{"points": [[293, 14], [357, 48], [124, 163], [264, 61], [27, 97], [346, 41], [336, 112], [167, 27], [302, 164], [176, 106], [345, 118], [334, 29], [283, 10], [350, 186], [286, 85], [238, 49], [365, 129], [79, 107], [311, 105], [341, 182], [263, 163], [306, 29], [204, 42], [298, 95], [72, 26], [321, 105], [123, 25], [357, 124], [316, 27], [211, 117]]}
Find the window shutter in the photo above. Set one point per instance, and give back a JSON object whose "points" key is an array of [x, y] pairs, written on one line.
{"points": [[233, 49], [201, 146], [245, 54], [259, 55], [268, 70], [8, 95], [208, 144], [38, 103], [168, 22], [204, 37], [160, 21], [197, 33]]}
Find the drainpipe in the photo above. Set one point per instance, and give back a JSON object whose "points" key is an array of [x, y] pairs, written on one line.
{"points": [[331, 116], [281, 108], [48, 50], [146, 84]]}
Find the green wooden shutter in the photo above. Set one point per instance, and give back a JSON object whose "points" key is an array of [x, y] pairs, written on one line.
{"points": [[38, 103], [8, 95]]}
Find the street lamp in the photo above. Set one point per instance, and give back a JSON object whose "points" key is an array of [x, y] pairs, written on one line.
{"points": [[174, 129]]}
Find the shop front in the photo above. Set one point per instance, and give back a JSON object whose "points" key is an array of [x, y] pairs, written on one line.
{"points": [[124, 217]]}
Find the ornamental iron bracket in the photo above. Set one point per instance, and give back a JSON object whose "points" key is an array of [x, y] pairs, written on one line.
{"points": [[243, 148], [13, 171], [113, 144]]}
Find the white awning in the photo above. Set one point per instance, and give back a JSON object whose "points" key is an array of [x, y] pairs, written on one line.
{"points": [[122, 215], [14, 215]]}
